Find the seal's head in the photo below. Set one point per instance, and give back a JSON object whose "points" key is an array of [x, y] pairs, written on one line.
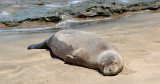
{"points": [[111, 63]]}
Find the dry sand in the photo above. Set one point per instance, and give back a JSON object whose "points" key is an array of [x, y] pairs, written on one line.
{"points": [[136, 36]]}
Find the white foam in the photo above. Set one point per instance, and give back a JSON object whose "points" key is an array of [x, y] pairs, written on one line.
{"points": [[63, 24], [5, 13], [68, 22], [74, 2], [54, 6], [125, 1], [25, 29], [64, 16], [88, 20]]}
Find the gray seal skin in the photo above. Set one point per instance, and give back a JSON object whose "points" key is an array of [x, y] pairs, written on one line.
{"points": [[85, 49]]}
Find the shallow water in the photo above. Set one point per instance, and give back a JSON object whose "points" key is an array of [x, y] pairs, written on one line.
{"points": [[10, 8], [23, 7], [70, 22], [128, 21]]}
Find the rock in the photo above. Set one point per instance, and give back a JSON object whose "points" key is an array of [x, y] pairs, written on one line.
{"points": [[109, 8], [16, 22], [30, 14], [36, 11]]}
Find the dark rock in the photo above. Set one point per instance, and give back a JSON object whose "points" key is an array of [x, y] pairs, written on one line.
{"points": [[31, 14], [15, 22], [36, 11], [11, 23], [109, 8]]}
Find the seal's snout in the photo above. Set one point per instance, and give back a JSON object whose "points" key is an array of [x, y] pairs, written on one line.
{"points": [[110, 70]]}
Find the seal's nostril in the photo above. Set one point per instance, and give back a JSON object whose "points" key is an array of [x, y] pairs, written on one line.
{"points": [[110, 69]]}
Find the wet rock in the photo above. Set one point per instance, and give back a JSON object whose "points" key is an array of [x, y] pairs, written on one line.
{"points": [[108, 8], [30, 14], [16, 22], [35, 10], [11, 23]]}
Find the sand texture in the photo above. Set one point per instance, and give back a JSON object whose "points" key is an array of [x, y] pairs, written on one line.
{"points": [[136, 36]]}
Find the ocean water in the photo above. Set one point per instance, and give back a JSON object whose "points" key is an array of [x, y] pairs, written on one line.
{"points": [[10, 8]]}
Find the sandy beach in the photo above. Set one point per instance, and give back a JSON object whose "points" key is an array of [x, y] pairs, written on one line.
{"points": [[136, 36]]}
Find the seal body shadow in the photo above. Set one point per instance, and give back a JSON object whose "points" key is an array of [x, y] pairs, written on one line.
{"points": [[84, 49]]}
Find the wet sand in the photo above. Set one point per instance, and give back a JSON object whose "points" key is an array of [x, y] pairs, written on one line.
{"points": [[136, 37]]}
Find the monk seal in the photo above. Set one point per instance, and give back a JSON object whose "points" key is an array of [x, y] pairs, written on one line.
{"points": [[85, 49]]}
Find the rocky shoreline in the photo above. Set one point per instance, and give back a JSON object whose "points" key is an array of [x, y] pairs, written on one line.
{"points": [[37, 10]]}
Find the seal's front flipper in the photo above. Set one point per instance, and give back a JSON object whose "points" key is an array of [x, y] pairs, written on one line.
{"points": [[74, 60], [42, 45], [69, 58]]}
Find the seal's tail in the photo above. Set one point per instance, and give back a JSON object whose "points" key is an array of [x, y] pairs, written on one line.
{"points": [[42, 45]]}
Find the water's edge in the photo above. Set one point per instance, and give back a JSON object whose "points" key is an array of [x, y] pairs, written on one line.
{"points": [[39, 15]]}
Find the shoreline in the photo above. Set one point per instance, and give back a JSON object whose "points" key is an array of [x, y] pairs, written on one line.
{"points": [[69, 22], [17, 12], [136, 37]]}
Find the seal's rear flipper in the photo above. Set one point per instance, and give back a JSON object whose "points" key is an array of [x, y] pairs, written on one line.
{"points": [[42, 45]]}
